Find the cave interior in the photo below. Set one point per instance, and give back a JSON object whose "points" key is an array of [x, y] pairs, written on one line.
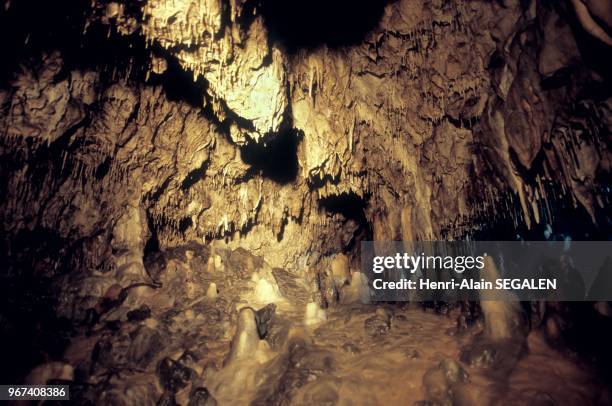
{"points": [[186, 186]]}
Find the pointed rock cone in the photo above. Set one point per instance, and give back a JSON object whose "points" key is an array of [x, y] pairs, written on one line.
{"points": [[314, 314], [212, 291], [246, 338], [502, 315]]}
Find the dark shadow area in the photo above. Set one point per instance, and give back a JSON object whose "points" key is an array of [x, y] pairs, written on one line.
{"points": [[591, 49], [194, 176], [185, 224], [565, 222], [352, 207], [318, 182], [103, 168], [578, 328], [560, 79], [30, 28], [309, 24], [581, 330], [274, 157], [178, 84], [31, 331], [152, 244]]}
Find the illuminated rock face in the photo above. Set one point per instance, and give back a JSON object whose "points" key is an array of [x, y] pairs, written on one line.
{"points": [[442, 117], [242, 71]]}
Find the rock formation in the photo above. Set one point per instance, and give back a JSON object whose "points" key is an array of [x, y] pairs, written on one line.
{"points": [[186, 144]]}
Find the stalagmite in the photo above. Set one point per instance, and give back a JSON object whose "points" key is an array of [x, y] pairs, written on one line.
{"points": [[212, 291], [501, 311], [266, 289], [246, 339]]}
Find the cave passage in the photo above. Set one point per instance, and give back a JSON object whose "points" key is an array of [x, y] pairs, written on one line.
{"points": [[275, 156]]}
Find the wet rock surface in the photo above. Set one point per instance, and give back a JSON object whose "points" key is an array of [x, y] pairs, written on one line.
{"points": [[203, 351]]}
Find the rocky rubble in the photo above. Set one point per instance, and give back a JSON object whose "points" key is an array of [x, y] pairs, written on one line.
{"points": [[166, 342]]}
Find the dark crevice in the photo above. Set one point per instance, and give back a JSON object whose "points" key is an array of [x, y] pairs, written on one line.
{"points": [[281, 232], [463, 122], [152, 244], [153, 197], [32, 333], [178, 83], [352, 207], [319, 182], [496, 61], [195, 176], [561, 78], [103, 168], [274, 156], [308, 25], [184, 224]]}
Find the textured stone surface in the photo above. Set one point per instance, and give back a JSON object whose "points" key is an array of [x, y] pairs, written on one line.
{"points": [[435, 94], [202, 164]]}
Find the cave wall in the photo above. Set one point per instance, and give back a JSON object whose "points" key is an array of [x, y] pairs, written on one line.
{"points": [[198, 123]]}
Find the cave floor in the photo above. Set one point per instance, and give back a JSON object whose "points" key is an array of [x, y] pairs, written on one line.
{"points": [[355, 355]]}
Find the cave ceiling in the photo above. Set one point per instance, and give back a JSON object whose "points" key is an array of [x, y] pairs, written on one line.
{"points": [[267, 126]]}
